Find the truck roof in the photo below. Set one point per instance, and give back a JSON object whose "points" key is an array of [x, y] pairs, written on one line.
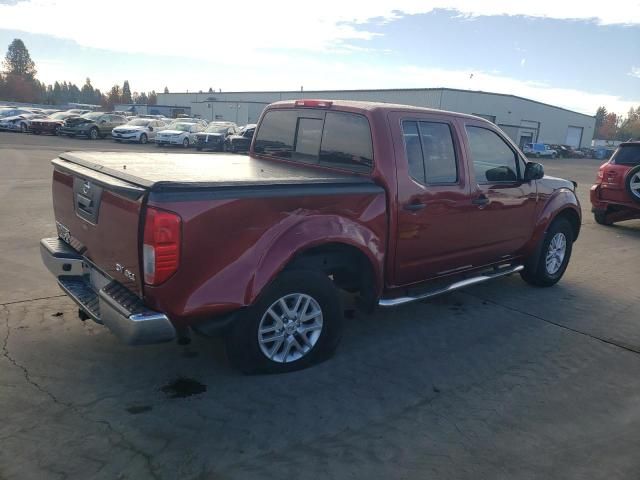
{"points": [[355, 105]]}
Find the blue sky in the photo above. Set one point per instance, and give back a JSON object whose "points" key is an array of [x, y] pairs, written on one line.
{"points": [[539, 51]]}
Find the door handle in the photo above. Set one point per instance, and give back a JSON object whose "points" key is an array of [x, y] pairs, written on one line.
{"points": [[481, 201], [414, 207]]}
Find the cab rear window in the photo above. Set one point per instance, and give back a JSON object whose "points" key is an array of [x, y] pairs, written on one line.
{"points": [[627, 155], [334, 139]]}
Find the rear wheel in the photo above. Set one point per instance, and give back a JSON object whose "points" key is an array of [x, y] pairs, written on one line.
{"points": [[632, 183], [554, 255], [143, 139], [296, 322], [94, 134], [23, 128], [185, 143]]}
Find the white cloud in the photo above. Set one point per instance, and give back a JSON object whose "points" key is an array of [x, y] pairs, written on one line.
{"points": [[197, 27], [261, 31], [634, 72], [522, 62]]}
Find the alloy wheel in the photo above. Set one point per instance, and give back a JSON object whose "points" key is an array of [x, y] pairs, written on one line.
{"points": [[555, 253], [290, 328], [634, 184]]}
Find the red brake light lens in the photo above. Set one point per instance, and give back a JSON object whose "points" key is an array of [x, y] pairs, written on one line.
{"points": [[313, 103], [161, 246]]}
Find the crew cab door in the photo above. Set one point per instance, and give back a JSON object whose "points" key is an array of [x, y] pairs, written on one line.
{"points": [[502, 219], [434, 198]]}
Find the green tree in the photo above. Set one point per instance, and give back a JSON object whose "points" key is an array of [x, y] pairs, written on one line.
{"points": [[18, 61], [126, 92], [601, 113], [153, 98], [87, 94], [166, 89]]}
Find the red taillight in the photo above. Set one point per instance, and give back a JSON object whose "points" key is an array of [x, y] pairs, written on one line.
{"points": [[313, 103], [161, 246]]}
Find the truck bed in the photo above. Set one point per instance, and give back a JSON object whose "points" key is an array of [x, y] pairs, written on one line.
{"points": [[163, 171]]}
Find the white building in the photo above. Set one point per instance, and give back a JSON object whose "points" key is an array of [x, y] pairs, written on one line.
{"points": [[522, 119]]}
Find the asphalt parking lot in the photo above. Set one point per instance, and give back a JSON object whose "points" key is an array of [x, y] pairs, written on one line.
{"points": [[501, 381]]}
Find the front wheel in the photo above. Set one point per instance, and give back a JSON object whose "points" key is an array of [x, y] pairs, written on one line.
{"points": [[144, 139], [23, 128], [554, 256], [296, 322], [94, 134], [185, 143]]}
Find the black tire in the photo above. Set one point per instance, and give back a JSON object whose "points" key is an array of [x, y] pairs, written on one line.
{"points": [[143, 139], [242, 346], [634, 172], [118, 140], [35, 132], [23, 128], [185, 143], [159, 144], [600, 216], [537, 274], [94, 134], [199, 149]]}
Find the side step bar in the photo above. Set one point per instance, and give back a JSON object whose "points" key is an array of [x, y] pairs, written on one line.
{"points": [[394, 302]]}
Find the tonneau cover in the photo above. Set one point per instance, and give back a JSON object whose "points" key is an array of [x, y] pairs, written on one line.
{"points": [[161, 171]]}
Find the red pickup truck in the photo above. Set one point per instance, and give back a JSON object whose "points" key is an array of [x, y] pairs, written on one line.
{"points": [[390, 203]]}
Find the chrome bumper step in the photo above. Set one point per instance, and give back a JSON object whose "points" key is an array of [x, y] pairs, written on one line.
{"points": [[467, 282], [109, 303]]}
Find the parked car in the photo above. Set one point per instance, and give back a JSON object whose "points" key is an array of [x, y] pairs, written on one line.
{"points": [[616, 194], [93, 125], [189, 120], [215, 136], [79, 111], [13, 112], [50, 124], [538, 150], [179, 133], [19, 123], [567, 151], [242, 140], [259, 250], [139, 130]]}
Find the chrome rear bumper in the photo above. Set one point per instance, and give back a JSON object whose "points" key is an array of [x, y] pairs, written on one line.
{"points": [[103, 299]]}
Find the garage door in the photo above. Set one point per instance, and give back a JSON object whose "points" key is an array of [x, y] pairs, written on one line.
{"points": [[574, 136]]}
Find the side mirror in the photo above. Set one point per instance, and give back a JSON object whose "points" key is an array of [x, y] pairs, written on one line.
{"points": [[500, 174], [151, 129], [103, 121], [533, 171]]}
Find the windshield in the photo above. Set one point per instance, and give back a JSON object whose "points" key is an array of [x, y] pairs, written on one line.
{"points": [[60, 115], [182, 127], [92, 115], [139, 122], [218, 128]]}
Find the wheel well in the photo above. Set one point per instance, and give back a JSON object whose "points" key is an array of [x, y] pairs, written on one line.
{"points": [[349, 268], [572, 217]]}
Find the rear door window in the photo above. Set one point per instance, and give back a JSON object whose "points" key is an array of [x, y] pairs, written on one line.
{"points": [[627, 155]]}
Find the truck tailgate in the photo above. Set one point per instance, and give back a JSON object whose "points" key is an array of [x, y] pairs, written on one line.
{"points": [[99, 216]]}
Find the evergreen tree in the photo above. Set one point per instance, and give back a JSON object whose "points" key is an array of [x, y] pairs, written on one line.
{"points": [[18, 61], [126, 92], [166, 90]]}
